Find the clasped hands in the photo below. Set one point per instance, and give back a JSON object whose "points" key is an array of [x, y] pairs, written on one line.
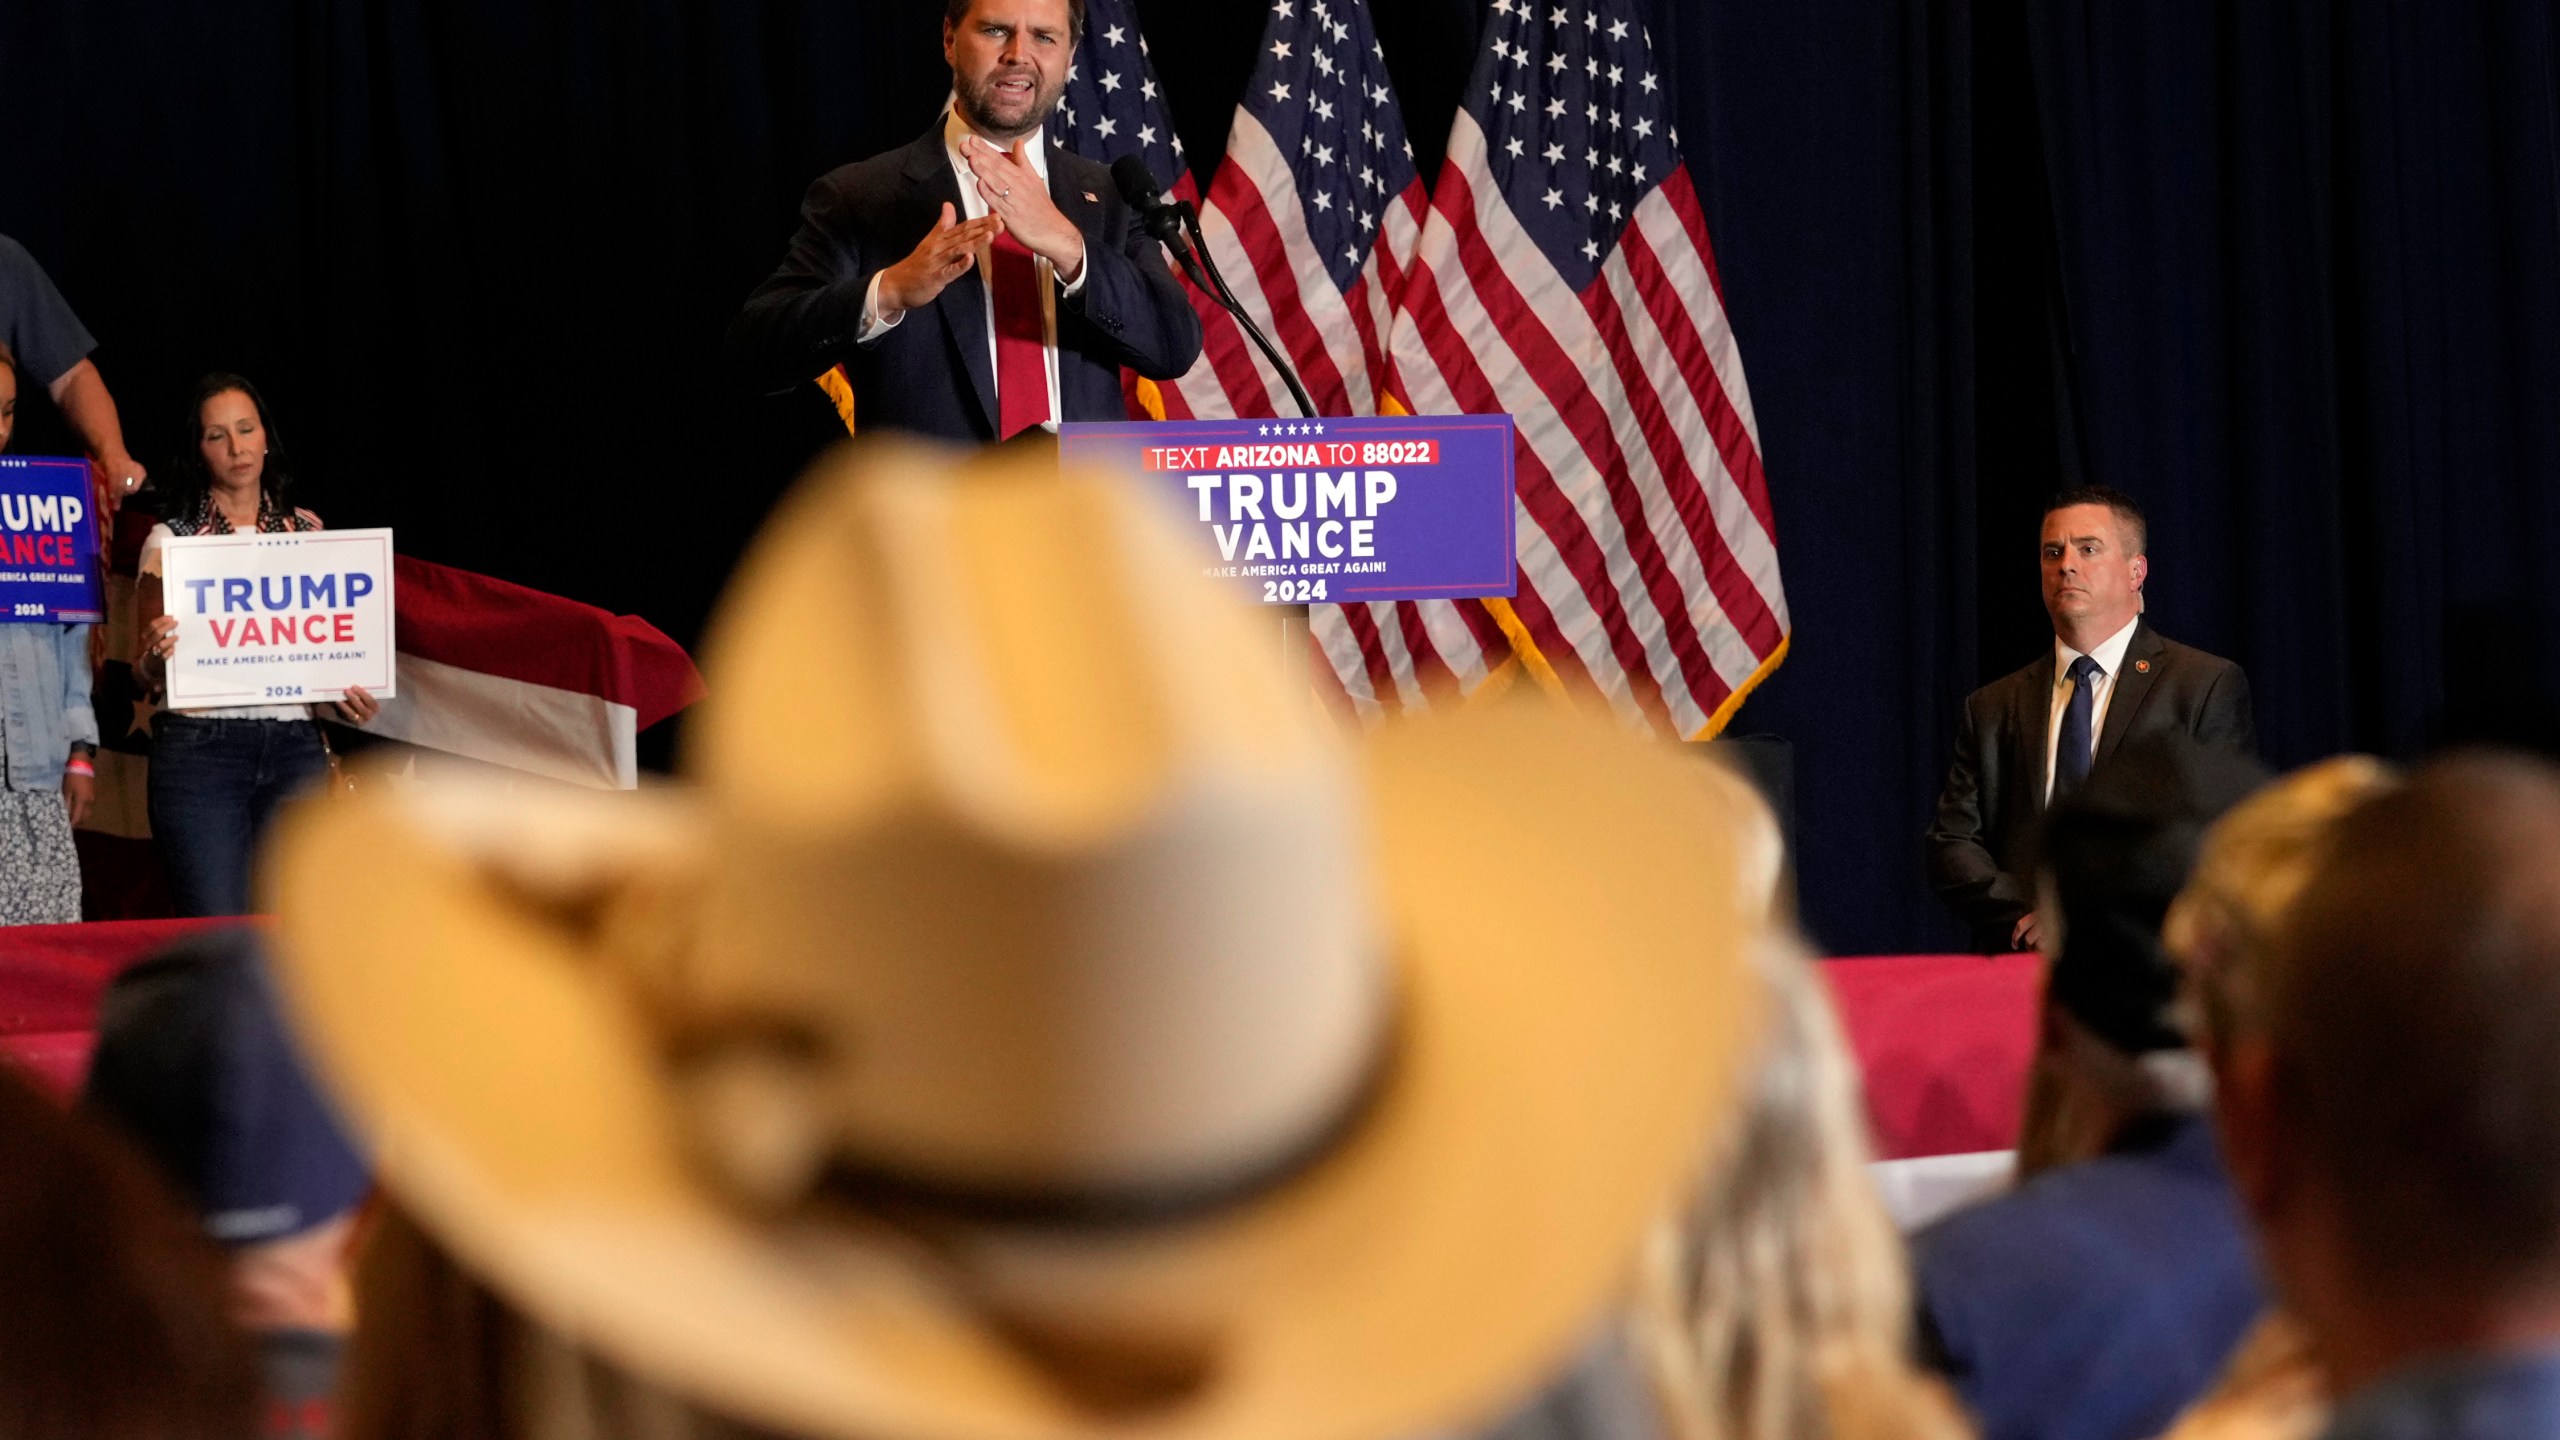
{"points": [[1017, 201]]}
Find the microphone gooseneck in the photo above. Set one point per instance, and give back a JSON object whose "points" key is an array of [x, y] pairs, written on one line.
{"points": [[1167, 220]]}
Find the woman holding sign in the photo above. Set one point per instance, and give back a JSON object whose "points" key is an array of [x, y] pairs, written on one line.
{"points": [[47, 736], [217, 776]]}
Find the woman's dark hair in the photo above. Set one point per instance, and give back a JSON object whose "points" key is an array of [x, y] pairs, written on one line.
{"points": [[114, 1308], [190, 482]]}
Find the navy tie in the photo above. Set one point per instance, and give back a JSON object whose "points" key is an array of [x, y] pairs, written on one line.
{"points": [[2071, 752]]}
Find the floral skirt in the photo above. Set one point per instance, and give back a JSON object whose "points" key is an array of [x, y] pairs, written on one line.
{"points": [[39, 870]]}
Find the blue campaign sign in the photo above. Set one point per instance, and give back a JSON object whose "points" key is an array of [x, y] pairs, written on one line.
{"points": [[1383, 507], [48, 543]]}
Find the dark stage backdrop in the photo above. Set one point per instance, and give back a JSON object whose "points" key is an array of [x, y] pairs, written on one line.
{"points": [[2290, 272]]}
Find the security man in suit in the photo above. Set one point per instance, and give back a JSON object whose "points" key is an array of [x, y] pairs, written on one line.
{"points": [[1068, 287], [2032, 735]]}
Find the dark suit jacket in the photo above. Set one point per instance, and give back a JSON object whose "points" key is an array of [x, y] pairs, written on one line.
{"points": [[931, 375], [2097, 1300], [1982, 857]]}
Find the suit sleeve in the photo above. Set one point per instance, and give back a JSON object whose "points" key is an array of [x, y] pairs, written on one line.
{"points": [[1961, 866], [2225, 718], [1136, 308], [804, 317]]}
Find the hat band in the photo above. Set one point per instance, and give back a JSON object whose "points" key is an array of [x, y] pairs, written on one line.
{"points": [[888, 1189]]}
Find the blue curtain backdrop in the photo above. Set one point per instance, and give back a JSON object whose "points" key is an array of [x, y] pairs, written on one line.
{"points": [[2290, 272]]}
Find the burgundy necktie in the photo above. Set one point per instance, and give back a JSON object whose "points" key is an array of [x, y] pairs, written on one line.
{"points": [[1022, 369]]}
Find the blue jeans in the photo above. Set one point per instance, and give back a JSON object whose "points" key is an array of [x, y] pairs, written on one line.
{"points": [[214, 786]]}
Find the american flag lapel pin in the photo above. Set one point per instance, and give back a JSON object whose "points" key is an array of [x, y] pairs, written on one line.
{"points": [[2142, 665]]}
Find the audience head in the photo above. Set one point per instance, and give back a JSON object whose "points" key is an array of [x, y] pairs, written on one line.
{"points": [[2115, 853], [2094, 552], [233, 445], [1075, 1038], [9, 381], [2396, 1127], [1778, 1304], [2253, 864], [195, 1065], [112, 1323]]}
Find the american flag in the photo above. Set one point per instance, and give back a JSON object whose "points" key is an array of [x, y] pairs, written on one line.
{"points": [[1312, 218], [1113, 104], [1564, 275]]}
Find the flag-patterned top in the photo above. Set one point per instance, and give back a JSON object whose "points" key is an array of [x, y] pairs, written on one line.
{"points": [[1309, 217], [1113, 105], [1565, 276]]}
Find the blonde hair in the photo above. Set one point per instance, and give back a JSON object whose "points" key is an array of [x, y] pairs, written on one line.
{"points": [[1778, 1307], [2250, 869]]}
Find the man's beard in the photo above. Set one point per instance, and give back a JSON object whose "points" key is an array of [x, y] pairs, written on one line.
{"points": [[977, 106]]}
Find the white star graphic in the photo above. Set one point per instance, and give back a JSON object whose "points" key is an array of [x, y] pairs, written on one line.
{"points": [[1147, 89], [1324, 63], [1265, 430], [1614, 167], [1378, 96], [1324, 109], [1555, 109], [1319, 428], [1282, 10], [1110, 81], [1591, 112], [1644, 128], [1617, 76], [1591, 202], [1279, 91], [1513, 147], [1614, 211], [1555, 63], [1591, 20], [1368, 176], [1591, 158], [1647, 82], [1105, 127], [1146, 134], [1519, 103], [1324, 154], [1554, 198], [1116, 36], [1590, 249], [1618, 30], [1323, 201], [1351, 253], [1321, 13], [1613, 119], [1635, 172], [1280, 49], [1591, 67], [1502, 49], [1555, 154], [1368, 221], [1341, 32], [1557, 16]]}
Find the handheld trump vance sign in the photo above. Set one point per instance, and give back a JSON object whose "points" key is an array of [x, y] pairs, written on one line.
{"points": [[48, 543], [279, 619], [1404, 507]]}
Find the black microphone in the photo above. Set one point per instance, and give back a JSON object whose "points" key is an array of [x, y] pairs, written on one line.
{"points": [[1162, 217], [1165, 220]]}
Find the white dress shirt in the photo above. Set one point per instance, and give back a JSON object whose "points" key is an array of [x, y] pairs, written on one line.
{"points": [[2109, 653], [1035, 153]]}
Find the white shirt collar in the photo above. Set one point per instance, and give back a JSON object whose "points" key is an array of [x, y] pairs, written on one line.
{"points": [[1035, 154], [2109, 653]]}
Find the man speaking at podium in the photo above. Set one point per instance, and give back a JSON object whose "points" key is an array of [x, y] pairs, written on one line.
{"points": [[1067, 287]]}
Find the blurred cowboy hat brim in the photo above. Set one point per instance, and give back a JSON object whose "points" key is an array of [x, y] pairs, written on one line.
{"points": [[1570, 1008]]}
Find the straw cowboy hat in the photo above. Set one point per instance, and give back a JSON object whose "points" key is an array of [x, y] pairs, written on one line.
{"points": [[1033, 1022]]}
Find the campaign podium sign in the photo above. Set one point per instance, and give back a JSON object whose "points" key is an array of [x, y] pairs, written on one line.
{"points": [[278, 619], [48, 543], [1383, 507]]}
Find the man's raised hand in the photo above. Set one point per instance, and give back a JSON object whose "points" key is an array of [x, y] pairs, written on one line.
{"points": [[944, 255]]}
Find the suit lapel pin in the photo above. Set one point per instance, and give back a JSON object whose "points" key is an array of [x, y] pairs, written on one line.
{"points": [[1091, 198], [2142, 665]]}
